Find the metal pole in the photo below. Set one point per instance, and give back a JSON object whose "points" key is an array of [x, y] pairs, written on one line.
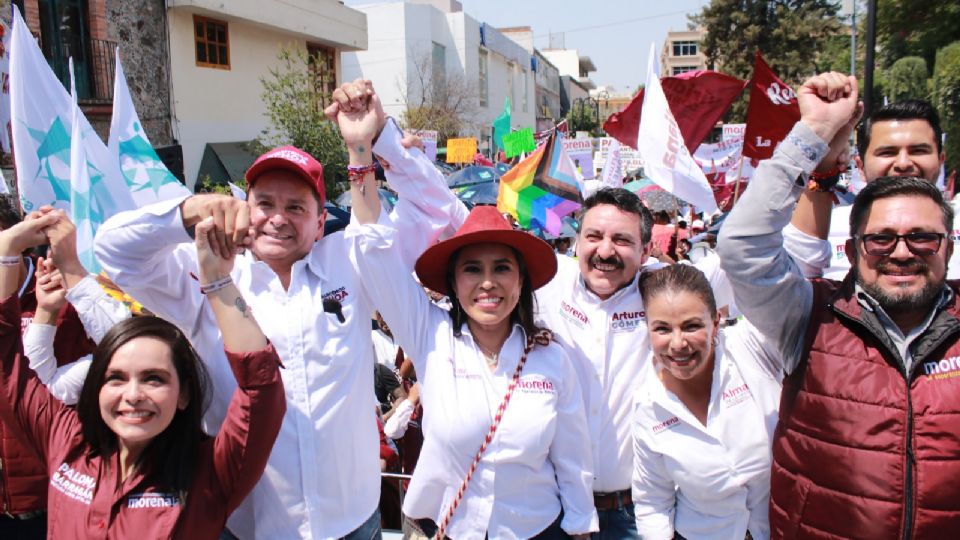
{"points": [[868, 61]]}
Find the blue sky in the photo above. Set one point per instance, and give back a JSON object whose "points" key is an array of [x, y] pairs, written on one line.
{"points": [[615, 34]]}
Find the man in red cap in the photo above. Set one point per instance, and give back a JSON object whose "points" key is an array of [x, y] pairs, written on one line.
{"points": [[323, 477]]}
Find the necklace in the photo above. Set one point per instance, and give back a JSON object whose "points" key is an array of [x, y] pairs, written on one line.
{"points": [[492, 359]]}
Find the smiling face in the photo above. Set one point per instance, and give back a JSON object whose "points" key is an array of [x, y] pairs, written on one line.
{"points": [[902, 148], [609, 249], [285, 215], [682, 333], [141, 392], [487, 284], [902, 282]]}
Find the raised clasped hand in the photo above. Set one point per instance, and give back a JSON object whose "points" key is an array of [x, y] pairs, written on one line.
{"points": [[213, 261]]}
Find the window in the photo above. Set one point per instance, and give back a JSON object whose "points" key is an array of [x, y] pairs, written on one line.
{"points": [[212, 42], [323, 70], [684, 48], [484, 91], [511, 70], [683, 69], [63, 35], [523, 100], [439, 63]]}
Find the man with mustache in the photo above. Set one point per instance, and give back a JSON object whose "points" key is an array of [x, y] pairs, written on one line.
{"points": [[594, 308], [866, 445]]}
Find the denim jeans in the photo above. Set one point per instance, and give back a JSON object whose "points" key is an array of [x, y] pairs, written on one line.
{"points": [[370, 530], [617, 524]]}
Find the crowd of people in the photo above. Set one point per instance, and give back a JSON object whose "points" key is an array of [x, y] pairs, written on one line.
{"points": [[648, 381]]}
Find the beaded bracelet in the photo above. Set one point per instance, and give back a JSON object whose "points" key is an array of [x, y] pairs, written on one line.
{"points": [[216, 285], [12, 260]]}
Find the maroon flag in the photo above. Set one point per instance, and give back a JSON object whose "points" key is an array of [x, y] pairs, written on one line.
{"points": [[772, 113], [697, 99]]}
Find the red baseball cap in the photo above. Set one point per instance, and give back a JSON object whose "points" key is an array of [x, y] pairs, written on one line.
{"points": [[292, 159]]}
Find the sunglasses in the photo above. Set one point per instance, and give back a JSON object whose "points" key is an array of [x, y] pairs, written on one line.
{"points": [[919, 243]]}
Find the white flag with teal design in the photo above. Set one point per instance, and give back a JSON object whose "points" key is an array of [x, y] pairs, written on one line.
{"points": [[42, 120], [147, 177], [82, 210]]}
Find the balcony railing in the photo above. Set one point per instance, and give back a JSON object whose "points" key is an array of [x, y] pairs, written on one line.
{"points": [[99, 73]]}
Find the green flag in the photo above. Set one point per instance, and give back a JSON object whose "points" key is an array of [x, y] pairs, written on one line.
{"points": [[501, 126]]}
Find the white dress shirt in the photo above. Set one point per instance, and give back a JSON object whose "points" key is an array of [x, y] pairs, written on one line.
{"points": [[709, 482], [323, 477], [827, 258], [98, 312], [607, 341], [540, 456]]}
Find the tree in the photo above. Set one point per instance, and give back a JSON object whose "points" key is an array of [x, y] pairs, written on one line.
{"points": [[583, 116], [946, 97], [295, 110], [436, 100], [915, 28], [789, 33], [907, 79]]}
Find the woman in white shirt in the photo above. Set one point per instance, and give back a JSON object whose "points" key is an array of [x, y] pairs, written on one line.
{"points": [[533, 478], [704, 417]]}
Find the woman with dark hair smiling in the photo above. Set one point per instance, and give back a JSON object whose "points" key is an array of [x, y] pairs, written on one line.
{"points": [[506, 450], [705, 413], [132, 461]]}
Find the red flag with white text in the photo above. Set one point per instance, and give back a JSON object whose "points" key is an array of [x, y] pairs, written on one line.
{"points": [[772, 112]]}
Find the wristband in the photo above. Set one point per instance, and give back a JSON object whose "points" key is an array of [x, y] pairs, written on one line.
{"points": [[216, 285], [12, 260], [824, 182], [355, 174]]}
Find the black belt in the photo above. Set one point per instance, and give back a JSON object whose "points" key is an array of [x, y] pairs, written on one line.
{"points": [[612, 501]]}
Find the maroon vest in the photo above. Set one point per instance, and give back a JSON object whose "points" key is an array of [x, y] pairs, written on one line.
{"points": [[863, 450], [23, 477]]}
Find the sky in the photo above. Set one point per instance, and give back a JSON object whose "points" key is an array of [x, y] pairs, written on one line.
{"points": [[615, 34]]}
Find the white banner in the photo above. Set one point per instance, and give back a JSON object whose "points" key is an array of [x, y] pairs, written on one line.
{"points": [[719, 157], [612, 175], [734, 131], [667, 161]]}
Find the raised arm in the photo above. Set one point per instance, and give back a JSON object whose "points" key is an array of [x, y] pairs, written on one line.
{"points": [[246, 437], [764, 276], [25, 405]]}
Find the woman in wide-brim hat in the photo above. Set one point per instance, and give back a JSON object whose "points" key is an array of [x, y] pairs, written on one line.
{"points": [[506, 449]]}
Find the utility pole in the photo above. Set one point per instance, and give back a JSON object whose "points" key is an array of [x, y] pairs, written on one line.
{"points": [[869, 60], [853, 39]]}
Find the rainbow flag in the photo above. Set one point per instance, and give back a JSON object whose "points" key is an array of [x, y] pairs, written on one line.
{"points": [[542, 188]]}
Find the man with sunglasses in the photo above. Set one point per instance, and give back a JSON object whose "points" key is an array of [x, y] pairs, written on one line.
{"points": [[867, 444]]}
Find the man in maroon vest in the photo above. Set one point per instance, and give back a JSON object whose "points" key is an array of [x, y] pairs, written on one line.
{"points": [[868, 444]]}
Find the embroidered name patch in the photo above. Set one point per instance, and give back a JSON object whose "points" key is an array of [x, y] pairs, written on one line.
{"points": [[943, 369], [627, 321], [573, 314], [73, 484], [669, 423], [153, 500], [735, 396], [530, 385], [338, 294]]}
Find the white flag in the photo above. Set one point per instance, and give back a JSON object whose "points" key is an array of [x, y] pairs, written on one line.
{"points": [[612, 175], [719, 157], [666, 159], [83, 209], [237, 192], [42, 120], [5, 90], [148, 178]]}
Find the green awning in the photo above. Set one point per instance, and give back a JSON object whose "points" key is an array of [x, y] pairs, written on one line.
{"points": [[226, 161]]}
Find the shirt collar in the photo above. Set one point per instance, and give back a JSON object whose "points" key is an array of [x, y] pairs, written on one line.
{"points": [[870, 304], [592, 297], [312, 261]]}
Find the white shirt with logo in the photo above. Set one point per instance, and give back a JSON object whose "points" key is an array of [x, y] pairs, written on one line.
{"points": [[828, 258], [323, 477], [539, 459], [712, 481]]}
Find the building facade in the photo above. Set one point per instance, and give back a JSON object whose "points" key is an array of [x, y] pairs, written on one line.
{"points": [[194, 67], [575, 82], [682, 53], [546, 79], [418, 43]]}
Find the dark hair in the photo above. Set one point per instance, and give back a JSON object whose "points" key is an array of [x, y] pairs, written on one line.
{"points": [[625, 201], [10, 213], [893, 186], [523, 312], [174, 451], [908, 109], [678, 278]]}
